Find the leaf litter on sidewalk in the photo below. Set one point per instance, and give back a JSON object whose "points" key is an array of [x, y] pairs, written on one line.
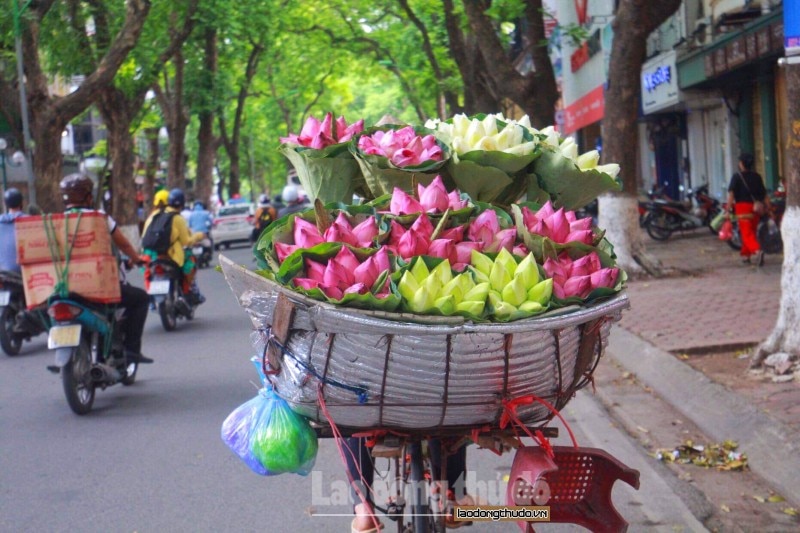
{"points": [[722, 456]]}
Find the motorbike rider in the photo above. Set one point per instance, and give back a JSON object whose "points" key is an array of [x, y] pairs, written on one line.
{"points": [[200, 218], [291, 199], [181, 241], [8, 238], [76, 192], [264, 216]]}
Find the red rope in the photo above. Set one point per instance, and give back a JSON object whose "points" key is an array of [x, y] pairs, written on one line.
{"points": [[510, 415], [339, 445]]}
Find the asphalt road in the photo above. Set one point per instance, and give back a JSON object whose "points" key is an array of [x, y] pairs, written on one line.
{"points": [[150, 458]]}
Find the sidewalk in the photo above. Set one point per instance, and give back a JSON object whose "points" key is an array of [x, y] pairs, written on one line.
{"points": [[688, 337]]}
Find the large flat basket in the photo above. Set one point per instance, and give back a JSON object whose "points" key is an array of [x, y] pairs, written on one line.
{"points": [[389, 370]]}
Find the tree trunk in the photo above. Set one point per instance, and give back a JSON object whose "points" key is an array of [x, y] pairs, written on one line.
{"points": [[535, 92], [50, 114], [151, 167], [116, 115], [206, 142], [176, 130], [785, 337], [633, 23]]}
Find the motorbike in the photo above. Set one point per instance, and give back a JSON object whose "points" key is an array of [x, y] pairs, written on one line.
{"points": [[663, 217], [88, 344], [18, 323], [203, 252], [165, 288]]}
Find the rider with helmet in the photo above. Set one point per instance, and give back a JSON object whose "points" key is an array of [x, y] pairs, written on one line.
{"points": [[8, 239], [291, 199], [264, 216], [180, 243], [76, 192]]}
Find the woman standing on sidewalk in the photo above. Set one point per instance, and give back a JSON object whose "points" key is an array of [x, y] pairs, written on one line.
{"points": [[747, 187]]}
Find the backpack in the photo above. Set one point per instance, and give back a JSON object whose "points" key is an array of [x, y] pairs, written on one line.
{"points": [[265, 216], [158, 236]]}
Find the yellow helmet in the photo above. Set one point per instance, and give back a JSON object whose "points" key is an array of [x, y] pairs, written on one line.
{"points": [[160, 198]]}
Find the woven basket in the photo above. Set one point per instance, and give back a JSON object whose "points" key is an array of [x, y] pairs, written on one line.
{"points": [[383, 370]]}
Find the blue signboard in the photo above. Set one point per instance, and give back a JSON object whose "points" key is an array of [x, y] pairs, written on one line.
{"points": [[791, 26]]}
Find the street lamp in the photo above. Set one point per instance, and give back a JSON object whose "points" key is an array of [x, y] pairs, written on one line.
{"points": [[23, 100]]}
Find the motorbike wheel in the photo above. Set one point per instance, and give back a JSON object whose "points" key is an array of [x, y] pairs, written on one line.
{"points": [[658, 227], [166, 310], [78, 386], [10, 343]]}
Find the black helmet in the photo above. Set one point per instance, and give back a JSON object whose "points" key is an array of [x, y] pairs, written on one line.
{"points": [[176, 199], [76, 189], [13, 198]]}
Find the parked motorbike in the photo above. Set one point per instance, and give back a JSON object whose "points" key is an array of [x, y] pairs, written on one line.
{"points": [[768, 234], [18, 323], [88, 342], [203, 252], [166, 293], [663, 217]]}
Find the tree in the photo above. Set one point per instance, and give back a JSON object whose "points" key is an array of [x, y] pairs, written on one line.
{"points": [[785, 336], [535, 92], [635, 20], [122, 101], [50, 113]]}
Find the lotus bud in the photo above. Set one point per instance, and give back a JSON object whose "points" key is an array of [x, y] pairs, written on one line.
{"points": [[507, 260], [612, 169], [499, 277], [481, 262], [453, 288], [504, 310], [408, 286], [479, 276], [478, 293], [422, 300], [420, 270], [446, 305], [495, 298], [443, 273], [588, 160], [528, 271], [473, 308], [531, 307], [515, 293], [541, 292]]}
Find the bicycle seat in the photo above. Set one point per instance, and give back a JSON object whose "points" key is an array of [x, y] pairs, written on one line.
{"points": [[576, 483]]}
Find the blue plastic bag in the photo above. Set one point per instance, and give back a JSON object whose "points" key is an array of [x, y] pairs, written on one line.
{"points": [[269, 437]]}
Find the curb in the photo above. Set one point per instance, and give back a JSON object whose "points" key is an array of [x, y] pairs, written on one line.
{"points": [[770, 445]]}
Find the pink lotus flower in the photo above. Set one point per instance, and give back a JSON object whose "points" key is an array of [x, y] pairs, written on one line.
{"points": [[486, 230], [284, 250], [318, 135], [435, 199], [341, 231], [559, 226], [404, 204], [413, 241], [306, 234], [579, 277], [366, 231], [344, 274], [402, 147]]}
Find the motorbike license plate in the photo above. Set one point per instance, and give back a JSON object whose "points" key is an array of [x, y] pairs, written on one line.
{"points": [[197, 251], [64, 336], [160, 286], [5, 297]]}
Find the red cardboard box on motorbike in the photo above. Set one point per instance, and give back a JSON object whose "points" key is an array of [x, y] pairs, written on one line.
{"points": [[87, 235], [91, 271]]}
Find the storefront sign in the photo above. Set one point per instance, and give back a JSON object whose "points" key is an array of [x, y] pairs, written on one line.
{"points": [[736, 52], [744, 49], [586, 110], [791, 26], [659, 83]]}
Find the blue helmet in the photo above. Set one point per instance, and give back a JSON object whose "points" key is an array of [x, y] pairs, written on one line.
{"points": [[13, 198], [176, 199]]}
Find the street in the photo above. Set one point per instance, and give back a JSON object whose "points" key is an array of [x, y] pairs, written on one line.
{"points": [[149, 457]]}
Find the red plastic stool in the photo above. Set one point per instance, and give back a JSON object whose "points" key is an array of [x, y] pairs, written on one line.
{"points": [[576, 484]]}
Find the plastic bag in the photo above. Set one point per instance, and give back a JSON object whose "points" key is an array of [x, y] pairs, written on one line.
{"points": [[717, 221], [726, 231], [769, 236], [268, 436]]}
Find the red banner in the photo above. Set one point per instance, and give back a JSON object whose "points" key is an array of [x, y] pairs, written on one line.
{"points": [[586, 110]]}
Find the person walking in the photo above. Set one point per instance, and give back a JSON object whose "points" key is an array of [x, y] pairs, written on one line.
{"points": [[745, 192], [8, 239]]}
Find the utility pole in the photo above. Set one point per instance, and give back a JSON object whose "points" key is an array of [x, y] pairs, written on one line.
{"points": [[23, 99]]}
